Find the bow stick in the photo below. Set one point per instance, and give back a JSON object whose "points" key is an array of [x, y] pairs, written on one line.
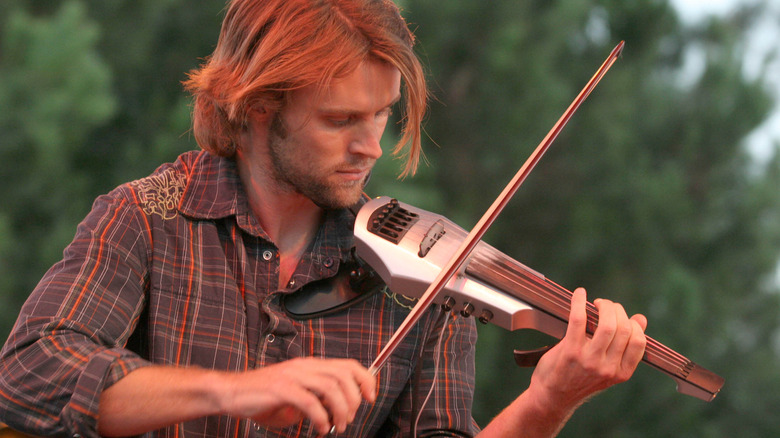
{"points": [[468, 244]]}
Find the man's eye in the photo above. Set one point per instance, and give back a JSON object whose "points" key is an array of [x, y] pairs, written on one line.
{"points": [[340, 121]]}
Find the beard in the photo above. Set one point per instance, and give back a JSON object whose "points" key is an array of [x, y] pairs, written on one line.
{"points": [[294, 170]]}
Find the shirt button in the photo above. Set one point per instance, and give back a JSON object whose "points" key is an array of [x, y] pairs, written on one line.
{"points": [[270, 338], [328, 262], [267, 255], [291, 283]]}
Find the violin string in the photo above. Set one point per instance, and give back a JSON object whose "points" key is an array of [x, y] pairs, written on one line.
{"points": [[556, 299], [563, 300]]}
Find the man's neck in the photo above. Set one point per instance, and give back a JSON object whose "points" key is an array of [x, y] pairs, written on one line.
{"points": [[290, 219], [291, 225]]}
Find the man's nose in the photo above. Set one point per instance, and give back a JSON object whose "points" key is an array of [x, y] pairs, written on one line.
{"points": [[367, 142]]}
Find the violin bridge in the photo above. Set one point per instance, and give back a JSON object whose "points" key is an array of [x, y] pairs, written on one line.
{"points": [[433, 235]]}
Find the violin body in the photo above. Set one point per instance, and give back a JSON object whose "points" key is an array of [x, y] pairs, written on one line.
{"points": [[408, 246], [399, 262]]}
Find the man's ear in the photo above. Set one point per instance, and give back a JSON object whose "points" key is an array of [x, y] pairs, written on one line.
{"points": [[255, 128], [258, 117]]}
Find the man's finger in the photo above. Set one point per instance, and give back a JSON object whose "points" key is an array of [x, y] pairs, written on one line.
{"points": [[623, 332], [635, 348], [607, 326], [577, 317]]}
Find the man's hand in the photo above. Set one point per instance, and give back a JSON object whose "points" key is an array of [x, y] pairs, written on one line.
{"points": [[580, 366], [575, 369], [326, 391]]}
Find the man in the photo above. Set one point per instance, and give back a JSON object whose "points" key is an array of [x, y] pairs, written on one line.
{"points": [[166, 314]]}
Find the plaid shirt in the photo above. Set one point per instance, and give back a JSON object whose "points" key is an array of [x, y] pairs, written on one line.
{"points": [[174, 269]]}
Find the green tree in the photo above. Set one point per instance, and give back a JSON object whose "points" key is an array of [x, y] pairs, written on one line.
{"points": [[94, 88], [55, 90]]}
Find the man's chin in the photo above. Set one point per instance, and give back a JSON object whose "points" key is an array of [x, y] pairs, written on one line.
{"points": [[338, 199]]}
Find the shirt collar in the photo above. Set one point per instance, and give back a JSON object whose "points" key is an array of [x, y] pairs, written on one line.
{"points": [[214, 191]]}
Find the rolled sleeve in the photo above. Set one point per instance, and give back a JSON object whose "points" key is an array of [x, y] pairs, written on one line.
{"points": [[79, 416]]}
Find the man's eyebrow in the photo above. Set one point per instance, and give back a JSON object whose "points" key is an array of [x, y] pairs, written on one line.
{"points": [[347, 111]]}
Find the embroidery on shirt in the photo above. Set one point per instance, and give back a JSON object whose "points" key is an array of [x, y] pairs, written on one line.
{"points": [[160, 194], [400, 299]]}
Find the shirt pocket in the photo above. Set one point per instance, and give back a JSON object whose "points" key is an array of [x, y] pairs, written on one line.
{"points": [[196, 325]]}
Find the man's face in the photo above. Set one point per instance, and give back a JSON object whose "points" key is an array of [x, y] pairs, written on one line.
{"points": [[324, 142]]}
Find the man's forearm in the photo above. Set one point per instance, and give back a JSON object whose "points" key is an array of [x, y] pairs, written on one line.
{"points": [[526, 417], [327, 392], [153, 397]]}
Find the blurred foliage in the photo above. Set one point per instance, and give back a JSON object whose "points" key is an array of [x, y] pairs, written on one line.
{"points": [[648, 197], [52, 100]]}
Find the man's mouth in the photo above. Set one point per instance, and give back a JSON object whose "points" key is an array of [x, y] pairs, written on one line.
{"points": [[357, 173]]}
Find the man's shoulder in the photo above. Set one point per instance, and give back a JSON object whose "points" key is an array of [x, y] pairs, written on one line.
{"points": [[160, 193]]}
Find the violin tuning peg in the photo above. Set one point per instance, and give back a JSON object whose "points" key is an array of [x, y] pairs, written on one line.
{"points": [[448, 304], [485, 316]]}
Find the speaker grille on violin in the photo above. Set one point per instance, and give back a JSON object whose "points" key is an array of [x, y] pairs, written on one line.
{"points": [[391, 221]]}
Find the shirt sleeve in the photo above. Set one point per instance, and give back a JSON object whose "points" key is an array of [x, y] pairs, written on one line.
{"points": [[438, 400], [67, 345]]}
